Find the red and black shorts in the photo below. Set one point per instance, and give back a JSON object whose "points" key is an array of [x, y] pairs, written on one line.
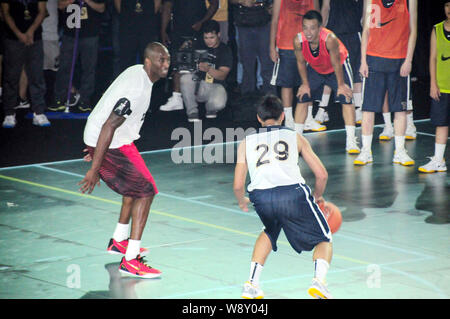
{"points": [[124, 171]]}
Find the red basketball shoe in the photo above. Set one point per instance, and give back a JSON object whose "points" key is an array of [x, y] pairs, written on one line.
{"points": [[120, 248], [138, 268]]}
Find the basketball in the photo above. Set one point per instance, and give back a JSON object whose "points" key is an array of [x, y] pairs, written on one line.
{"points": [[332, 214]]}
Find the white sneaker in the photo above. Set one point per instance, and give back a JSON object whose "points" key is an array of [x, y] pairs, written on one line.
{"points": [[251, 291], [311, 125], [40, 120], [352, 146], [365, 157], [358, 115], [319, 290], [321, 116], [387, 134], [411, 132], [433, 166], [10, 121], [23, 104], [174, 103], [402, 158]]}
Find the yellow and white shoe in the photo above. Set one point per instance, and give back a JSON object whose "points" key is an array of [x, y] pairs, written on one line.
{"points": [[319, 290], [365, 157], [251, 291], [387, 134], [433, 166], [402, 158], [352, 146]]}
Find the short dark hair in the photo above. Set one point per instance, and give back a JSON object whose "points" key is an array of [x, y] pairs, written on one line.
{"points": [[269, 108], [313, 15], [211, 26]]}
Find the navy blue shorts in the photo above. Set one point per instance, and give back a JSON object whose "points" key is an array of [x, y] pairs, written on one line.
{"points": [[317, 81], [440, 110], [384, 76], [352, 42], [291, 208], [286, 71]]}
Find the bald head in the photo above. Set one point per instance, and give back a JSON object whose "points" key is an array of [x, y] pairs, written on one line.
{"points": [[155, 50], [156, 61]]}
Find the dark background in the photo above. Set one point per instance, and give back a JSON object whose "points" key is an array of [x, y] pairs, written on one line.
{"points": [[63, 140]]}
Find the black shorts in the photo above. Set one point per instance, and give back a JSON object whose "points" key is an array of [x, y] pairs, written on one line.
{"points": [[352, 41], [440, 110], [384, 76], [317, 81], [293, 209], [286, 71], [124, 171]]}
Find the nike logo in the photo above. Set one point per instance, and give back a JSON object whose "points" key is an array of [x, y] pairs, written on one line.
{"points": [[443, 58], [382, 24]]}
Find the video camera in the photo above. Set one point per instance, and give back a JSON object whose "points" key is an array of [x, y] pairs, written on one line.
{"points": [[187, 58]]}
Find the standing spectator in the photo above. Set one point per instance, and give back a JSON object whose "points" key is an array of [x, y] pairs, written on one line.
{"points": [[137, 27], [221, 16], [287, 17], [50, 40], [23, 47], [87, 50], [187, 20], [387, 49], [440, 91], [253, 24]]}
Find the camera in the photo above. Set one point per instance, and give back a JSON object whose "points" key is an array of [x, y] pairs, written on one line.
{"points": [[186, 59]]}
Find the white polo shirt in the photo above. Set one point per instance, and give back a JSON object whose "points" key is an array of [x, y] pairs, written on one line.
{"points": [[134, 85]]}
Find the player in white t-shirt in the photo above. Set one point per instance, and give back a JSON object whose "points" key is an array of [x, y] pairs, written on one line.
{"points": [[280, 196], [110, 131]]}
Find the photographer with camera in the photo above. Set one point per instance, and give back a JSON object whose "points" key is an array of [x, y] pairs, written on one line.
{"points": [[204, 66], [252, 19], [181, 19]]}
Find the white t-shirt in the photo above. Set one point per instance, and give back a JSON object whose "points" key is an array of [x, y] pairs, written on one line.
{"points": [[50, 23], [134, 85], [272, 158]]}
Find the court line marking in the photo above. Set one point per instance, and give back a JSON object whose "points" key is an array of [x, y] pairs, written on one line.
{"points": [[192, 199], [196, 146], [190, 220], [331, 272]]}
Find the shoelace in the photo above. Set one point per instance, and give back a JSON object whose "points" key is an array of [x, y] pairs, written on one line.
{"points": [[142, 261]]}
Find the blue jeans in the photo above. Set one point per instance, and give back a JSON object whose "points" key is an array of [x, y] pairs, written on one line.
{"points": [[254, 45]]}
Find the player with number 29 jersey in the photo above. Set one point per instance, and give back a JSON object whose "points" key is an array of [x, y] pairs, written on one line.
{"points": [[272, 158]]}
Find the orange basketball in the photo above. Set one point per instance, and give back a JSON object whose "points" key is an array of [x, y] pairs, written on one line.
{"points": [[332, 214]]}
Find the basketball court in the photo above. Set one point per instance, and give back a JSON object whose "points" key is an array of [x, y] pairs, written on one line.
{"points": [[393, 242]]}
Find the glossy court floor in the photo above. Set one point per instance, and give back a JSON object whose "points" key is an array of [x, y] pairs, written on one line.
{"points": [[394, 241]]}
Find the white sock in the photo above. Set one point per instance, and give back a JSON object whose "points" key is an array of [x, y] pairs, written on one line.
{"points": [[309, 116], [255, 273], [299, 128], [409, 119], [358, 99], [288, 112], [325, 99], [320, 269], [366, 142], [439, 150], [121, 232], [350, 130], [387, 119], [399, 143], [133, 249]]}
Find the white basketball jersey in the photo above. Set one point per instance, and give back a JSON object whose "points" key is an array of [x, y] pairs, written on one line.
{"points": [[134, 85], [272, 158]]}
